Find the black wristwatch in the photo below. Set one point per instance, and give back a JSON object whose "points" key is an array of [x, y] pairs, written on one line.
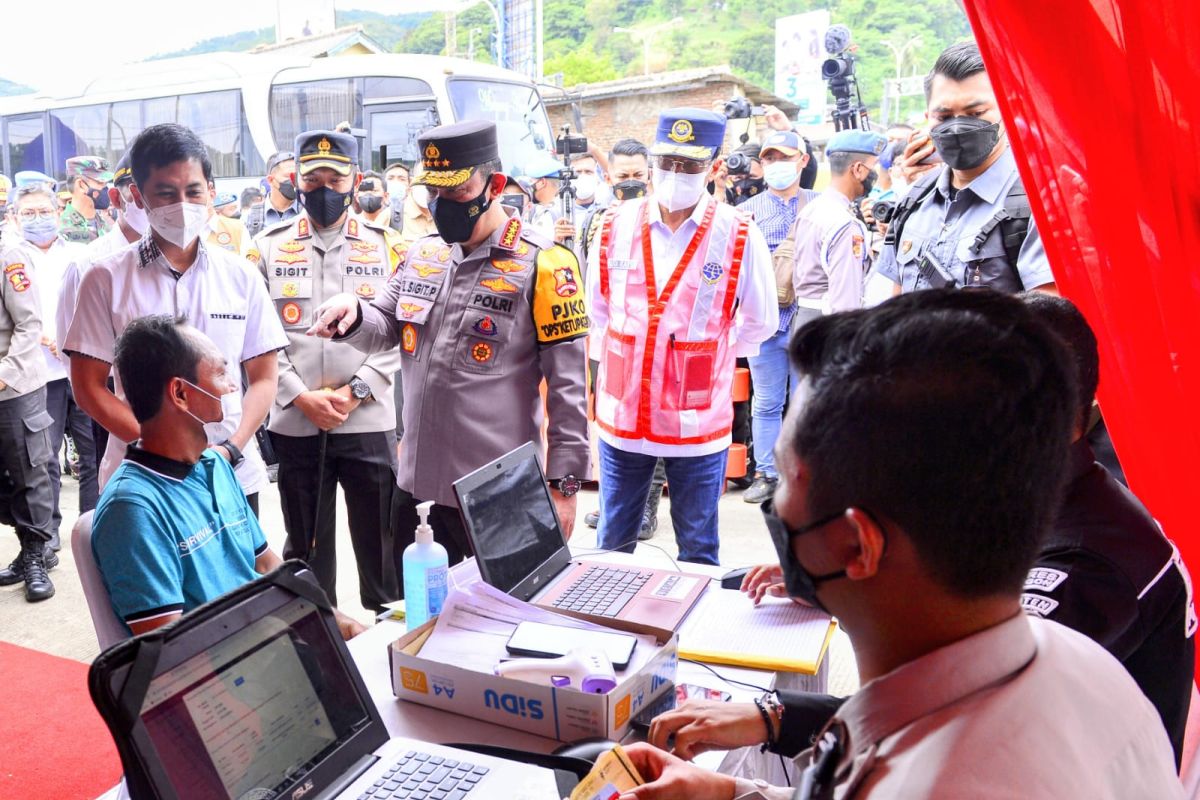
{"points": [[568, 486], [359, 389], [235, 452]]}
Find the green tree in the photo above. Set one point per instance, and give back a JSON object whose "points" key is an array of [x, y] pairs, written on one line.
{"points": [[752, 54], [582, 65]]}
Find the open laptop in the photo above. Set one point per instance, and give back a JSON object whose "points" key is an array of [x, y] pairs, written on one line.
{"points": [[519, 545], [262, 700]]}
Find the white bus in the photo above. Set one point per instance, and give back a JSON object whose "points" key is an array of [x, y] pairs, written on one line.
{"points": [[245, 107]]}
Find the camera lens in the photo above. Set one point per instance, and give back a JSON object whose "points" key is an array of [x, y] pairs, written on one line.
{"points": [[834, 68], [737, 164], [883, 211]]}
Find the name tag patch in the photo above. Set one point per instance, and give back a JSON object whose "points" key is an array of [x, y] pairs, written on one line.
{"points": [[1044, 579], [1037, 605]]}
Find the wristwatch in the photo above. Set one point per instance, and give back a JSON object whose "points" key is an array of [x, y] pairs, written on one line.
{"points": [[235, 452], [359, 389], [568, 486]]}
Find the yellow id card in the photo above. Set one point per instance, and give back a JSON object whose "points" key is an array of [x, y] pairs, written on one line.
{"points": [[612, 775]]}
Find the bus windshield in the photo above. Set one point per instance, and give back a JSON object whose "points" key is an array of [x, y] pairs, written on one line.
{"points": [[521, 123]]}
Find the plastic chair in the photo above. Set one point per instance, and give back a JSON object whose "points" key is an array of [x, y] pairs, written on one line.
{"points": [[109, 629]]}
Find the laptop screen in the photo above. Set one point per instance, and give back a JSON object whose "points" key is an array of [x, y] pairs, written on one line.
{"points": [[512, 522], [251, 713]]}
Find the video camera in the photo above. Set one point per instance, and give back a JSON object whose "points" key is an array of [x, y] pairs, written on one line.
{"points": [[568, 145], [839, 73]]}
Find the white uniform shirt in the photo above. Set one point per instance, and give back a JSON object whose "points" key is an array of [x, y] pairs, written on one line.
{"points": [[756, 320], [220, 294], [1028, 708], [81, 262], [48, 269]]}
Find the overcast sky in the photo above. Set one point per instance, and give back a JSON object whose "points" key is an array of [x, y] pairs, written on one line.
{"points": [[46, 42]]}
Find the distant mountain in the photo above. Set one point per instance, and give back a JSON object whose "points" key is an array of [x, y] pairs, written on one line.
{"points": [[8, 88], [387, 29]]}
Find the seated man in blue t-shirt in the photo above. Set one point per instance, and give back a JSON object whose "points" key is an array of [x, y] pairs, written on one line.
{"points": [[173, 529]]}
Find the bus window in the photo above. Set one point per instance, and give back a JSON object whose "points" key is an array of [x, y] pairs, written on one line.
{"points": [[522, 127], [396, 127], [79, 131], [124, 124], [25, 144], [216, 117], [388, 87], [313, 105]]}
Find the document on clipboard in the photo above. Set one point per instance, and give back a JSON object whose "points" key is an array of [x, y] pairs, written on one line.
{"points": [[726, 627]]}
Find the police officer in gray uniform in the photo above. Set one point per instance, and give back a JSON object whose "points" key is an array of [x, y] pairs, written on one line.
{"points": [[482, 313], [967, 223], [25, 432], [334, 418]]}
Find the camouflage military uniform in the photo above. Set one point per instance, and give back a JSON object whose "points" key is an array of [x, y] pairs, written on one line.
{"points": [[72, 224]]}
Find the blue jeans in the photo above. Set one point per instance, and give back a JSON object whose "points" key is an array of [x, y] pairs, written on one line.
{"points": [[770, 373], [695, 484]]}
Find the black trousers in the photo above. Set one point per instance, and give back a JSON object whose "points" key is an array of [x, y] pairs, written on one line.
{"points": [[60, 402], [448, 531], [25, 455], [364, 465]]}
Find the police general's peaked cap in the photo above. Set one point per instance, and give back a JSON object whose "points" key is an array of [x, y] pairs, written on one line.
{"points": [[450, 153]]}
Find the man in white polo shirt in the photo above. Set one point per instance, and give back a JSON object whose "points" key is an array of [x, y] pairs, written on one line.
{"points": [[173, 271]]}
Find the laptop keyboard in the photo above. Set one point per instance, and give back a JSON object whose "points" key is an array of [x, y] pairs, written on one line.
{"points": [[420, 776], [602, 591]]}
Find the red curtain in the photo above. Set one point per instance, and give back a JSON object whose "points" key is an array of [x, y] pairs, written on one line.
{"points": [[1102, 102]]}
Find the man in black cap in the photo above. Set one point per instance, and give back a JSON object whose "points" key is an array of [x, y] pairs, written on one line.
{"points": [[334, 419], [482, 312]]}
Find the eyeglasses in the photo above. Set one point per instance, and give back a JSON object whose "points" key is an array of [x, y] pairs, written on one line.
{"points": [[670, 164], [30, 214]]}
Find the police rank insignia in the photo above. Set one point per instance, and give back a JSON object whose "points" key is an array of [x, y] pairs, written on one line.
{"points": [[408, 338], [290, 313], [498, 285], [485, 326], [508, 266], [712, 272], [482, 352], [365, 291], [512, 229], [564, 282], [424, 271], [681, 132], [290, 289]]}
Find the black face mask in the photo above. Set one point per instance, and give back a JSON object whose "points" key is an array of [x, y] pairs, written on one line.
{"points": [[287, 189], [324, 205], [100, 198], [800, 583], [745, 188], [370, 203], [629, 190], [965, 142], [868, 183], [516, 201], [455, 221]]}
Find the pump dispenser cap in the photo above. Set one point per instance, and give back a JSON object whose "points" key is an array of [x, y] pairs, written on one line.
{"points": [[424, 533]]}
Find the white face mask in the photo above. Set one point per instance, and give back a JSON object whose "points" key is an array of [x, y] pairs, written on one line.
{"points": [[676, 191], [397, 190], [179, 223], [420, 196], [136, 217], [217, 431], [585, 186]]}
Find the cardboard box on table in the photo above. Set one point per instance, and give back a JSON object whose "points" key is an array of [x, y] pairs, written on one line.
{"points": [[565, 714]]}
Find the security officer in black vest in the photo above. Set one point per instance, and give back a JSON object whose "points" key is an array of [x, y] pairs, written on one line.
{"points": [[967, 223], [334, 420], [482, 312]]}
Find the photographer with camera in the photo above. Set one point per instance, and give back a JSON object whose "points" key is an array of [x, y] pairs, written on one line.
{"points": [[774, 212], [965, 223], [544, 173]]}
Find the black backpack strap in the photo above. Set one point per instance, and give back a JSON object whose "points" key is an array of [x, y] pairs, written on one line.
{"points": [[916, 195], [1013, 221]]}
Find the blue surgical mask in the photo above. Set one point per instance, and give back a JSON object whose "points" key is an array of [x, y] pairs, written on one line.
{"points": [[779, 175], [40, 231]]}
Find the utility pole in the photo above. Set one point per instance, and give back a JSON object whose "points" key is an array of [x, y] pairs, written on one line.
{"points": [[451, 33], [645, 35]]}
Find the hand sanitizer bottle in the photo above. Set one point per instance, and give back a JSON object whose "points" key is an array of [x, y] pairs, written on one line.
{"points": [[425, 568]]}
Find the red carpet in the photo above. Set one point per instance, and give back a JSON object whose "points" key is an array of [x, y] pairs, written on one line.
{"points": [[53, 744]]}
